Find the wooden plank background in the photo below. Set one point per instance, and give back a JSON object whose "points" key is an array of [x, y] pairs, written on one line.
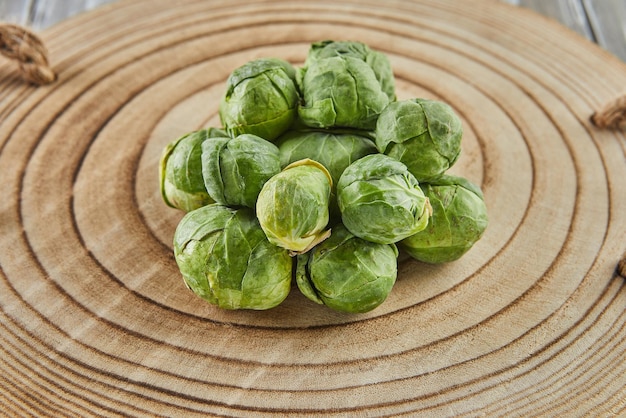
{"points": [[602, 21]]}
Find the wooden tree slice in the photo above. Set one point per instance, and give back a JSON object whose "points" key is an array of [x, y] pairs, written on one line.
{"points": [[96, 319]]}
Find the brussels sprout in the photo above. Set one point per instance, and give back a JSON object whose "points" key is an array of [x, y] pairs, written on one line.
{"points": [[458, 221], [380, 201], [180, 171], [261, 99], [423, 134], [341, 90], [292, 207], [224, 258], [347, 273], [378, 62], [235, 169], [334, 150]]}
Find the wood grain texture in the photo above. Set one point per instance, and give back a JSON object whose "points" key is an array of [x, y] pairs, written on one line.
{"points": [[96, 321]]}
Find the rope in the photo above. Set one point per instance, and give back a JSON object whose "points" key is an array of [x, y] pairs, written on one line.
{"points": [[612, 115], [20, 44]]}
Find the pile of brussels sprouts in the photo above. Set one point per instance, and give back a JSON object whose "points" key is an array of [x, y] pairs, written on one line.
{"points": [[321, 175]]}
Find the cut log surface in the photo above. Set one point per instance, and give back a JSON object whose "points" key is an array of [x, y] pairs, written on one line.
{"points": [[95, 318]]}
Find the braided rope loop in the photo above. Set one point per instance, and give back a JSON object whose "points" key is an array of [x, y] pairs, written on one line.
{"points": [[20, 44], [612, 115]]}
